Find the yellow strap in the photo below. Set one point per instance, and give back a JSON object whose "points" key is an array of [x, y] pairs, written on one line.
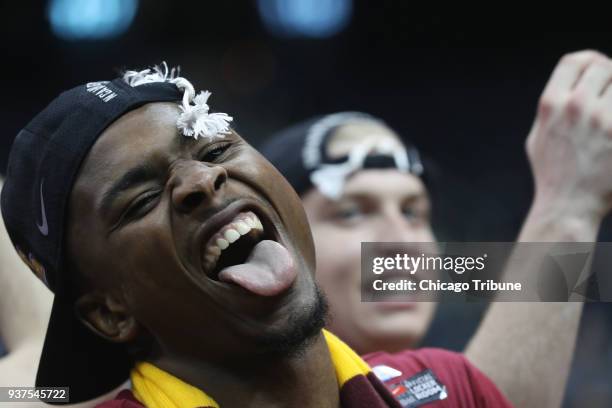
{"points": [[346, 362], [155, 388]]}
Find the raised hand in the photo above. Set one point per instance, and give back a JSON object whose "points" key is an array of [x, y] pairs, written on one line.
{"points": [[570, 144]]}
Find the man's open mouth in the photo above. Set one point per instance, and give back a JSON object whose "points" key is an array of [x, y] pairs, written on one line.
{"points": [[232, 244], [245, 251]]}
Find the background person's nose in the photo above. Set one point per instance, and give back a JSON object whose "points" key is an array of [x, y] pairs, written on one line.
{"points": [[388, 231], [197, 184], [394, 227]]}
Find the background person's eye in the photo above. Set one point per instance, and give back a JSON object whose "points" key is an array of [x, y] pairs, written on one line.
{"points": [[347, 213], [214, 153], [409, 213], [352, 213], [416, 214]]}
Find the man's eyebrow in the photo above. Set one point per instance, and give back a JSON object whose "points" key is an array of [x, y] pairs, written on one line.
{"points": [[132, 177]]}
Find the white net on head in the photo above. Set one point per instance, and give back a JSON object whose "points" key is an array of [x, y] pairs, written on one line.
{"points": [[195, 119]]}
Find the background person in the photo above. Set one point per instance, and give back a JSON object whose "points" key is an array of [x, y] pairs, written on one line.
{"points": [[348, 169], [373, 199]]}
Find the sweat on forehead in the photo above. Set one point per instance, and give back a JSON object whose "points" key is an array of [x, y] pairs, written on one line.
{"points": [[136, 126], [134, 130]]}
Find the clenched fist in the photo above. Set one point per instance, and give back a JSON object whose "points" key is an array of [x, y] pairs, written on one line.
{"points": [[570, 143]]}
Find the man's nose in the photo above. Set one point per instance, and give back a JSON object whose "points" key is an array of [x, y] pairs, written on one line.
{"points": [[196, 184]]}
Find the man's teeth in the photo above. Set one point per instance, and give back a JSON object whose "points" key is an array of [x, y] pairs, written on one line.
{"points": [[231, 235], [222, 244], [241, 225], [243, 228]]}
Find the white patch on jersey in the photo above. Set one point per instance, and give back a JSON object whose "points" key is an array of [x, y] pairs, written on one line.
{"points": [[386, 373]]}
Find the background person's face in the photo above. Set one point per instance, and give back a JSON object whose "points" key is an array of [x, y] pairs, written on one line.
{"points": [[376, 205], [144, 252]]}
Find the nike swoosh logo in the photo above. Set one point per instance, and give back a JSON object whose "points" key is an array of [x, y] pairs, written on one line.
{"points": [[44, 227]]}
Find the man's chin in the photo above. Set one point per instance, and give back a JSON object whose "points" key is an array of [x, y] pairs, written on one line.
{"points": [[299, 332]]}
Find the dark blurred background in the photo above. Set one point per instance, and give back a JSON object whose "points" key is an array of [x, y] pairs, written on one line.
{"points": [[460, 84]]}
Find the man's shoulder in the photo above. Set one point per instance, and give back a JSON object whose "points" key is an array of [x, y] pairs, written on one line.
{"points": [[125, 399], [462, 382]]}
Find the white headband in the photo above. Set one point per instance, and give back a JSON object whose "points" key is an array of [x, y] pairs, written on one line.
{"points": [[330, 178]]}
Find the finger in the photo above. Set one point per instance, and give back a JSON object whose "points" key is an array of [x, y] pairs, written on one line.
{"points": [[606, 94], [607, 98], [569, 70], [595, 78]]}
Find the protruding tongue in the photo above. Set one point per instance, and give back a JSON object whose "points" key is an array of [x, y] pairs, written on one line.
{"points": [[268, 271]]}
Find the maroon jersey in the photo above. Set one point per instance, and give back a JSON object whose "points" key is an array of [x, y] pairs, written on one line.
{"points": [[409, 379]]}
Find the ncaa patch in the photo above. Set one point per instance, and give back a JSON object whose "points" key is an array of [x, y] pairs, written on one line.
{"points": [[420, 389]]}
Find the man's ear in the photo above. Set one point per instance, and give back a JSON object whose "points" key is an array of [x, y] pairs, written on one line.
{"points": [[106, 317]]}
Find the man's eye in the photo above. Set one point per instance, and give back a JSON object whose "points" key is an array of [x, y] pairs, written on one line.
{"points": [[213, 154], [140, 207]]}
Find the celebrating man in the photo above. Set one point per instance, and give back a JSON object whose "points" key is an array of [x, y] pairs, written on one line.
{"points": [[179, 256]]}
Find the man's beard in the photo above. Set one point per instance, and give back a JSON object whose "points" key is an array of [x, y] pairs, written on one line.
{"points": [[301, 331]]}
